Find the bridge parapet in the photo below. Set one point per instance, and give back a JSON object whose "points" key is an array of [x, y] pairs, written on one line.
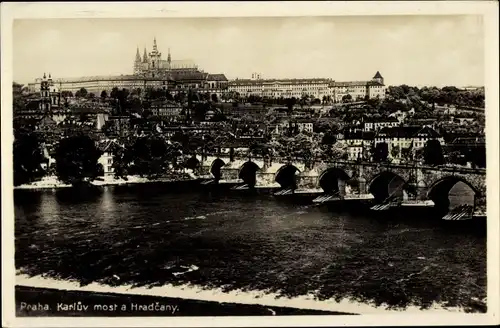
{"points": [[423, 178]]}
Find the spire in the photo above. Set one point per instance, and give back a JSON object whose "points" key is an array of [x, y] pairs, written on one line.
{"points": [[137, 56], [44, 76], [50, 76], [169, 59], [145, 56], [155, 48]]}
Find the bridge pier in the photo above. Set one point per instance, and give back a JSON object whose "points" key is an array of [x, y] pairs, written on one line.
{"points": [[362, 187], [419, 180]]}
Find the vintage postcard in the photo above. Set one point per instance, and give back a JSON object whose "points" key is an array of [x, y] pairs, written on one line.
{"points": [[250, 164]]}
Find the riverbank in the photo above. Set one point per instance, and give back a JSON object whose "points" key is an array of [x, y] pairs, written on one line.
{"points": [[52, 182], [35, 302]]}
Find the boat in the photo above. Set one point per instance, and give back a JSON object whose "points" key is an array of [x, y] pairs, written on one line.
{"points": [[327, 198], [284, 192], [460, 213], [417, 203], [241, 187], [386, 206]]}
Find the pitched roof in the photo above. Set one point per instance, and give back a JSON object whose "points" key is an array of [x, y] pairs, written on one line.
{"points": [[189, 75], [380, 119], [106, 145], [349, 83], [278, 81], [374, 83], [378, 75], [358, 135], [216, 77], [407, 132]]}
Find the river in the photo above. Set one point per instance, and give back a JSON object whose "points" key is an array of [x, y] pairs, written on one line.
{"points": [[149, 236]]}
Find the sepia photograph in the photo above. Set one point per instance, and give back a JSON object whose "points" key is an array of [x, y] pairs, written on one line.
{"points": [[294, 165]]}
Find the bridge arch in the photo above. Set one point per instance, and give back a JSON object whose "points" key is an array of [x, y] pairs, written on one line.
{"points": [[215, 168], [248, 173], [286, 176], [452, 191], [387, 184], [333, 180]]}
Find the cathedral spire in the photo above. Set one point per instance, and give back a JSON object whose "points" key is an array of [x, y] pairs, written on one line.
{"points": [[155, 48], [137, 56], [169, 59], [145, 56]]}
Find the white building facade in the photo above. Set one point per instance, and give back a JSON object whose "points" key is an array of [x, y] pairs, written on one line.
{"points": [[317, 88]]}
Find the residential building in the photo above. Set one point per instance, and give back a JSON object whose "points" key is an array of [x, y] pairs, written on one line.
{"points": [[407, 136], [359, 143], [106, 147], [375, 124], [165, 108], [296, 125]]}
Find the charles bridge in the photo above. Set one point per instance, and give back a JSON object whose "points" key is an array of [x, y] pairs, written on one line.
{"points": [[424, 182]]}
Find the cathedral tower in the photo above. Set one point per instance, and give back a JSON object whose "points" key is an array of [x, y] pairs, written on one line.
{"points": [[145, 58], [137, 62], [155, 56]]}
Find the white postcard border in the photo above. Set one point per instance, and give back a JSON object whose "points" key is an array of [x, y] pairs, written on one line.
{"points": [[489, 10]]}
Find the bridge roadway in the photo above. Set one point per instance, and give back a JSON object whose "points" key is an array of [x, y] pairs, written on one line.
{"points": [[379, 179]]}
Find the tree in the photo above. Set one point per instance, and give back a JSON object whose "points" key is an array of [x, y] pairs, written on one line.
{"points": [[76, 159], [66, 94], [169, 96], [83, 92], [335, 152], [329, 139], [27, 158], [114, 93], [104, 94], [149, 156], [381, 151], [407, 154], [346, 98], [215, 98], [456, 157], [91, 95], [395, 151], [18, 101], [433, 153]]}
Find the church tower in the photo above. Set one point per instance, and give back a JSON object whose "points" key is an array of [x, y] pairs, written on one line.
{"points": [[155, 56], [45, 94], [169, 59], [137, 62], [378, 78], [49, 94]]}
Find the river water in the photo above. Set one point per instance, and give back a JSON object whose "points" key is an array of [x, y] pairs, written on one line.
{"points": [[148, 236]]}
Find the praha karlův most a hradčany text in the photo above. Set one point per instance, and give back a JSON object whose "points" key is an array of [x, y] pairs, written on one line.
{"points": [[391, 147]]}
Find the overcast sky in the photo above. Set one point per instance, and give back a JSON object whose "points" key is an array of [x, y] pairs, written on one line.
{"points": [[414, 50]]}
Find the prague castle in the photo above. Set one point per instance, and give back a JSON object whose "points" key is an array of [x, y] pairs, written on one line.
{"points": [[152, 71], [152, 64], [149, 71]]}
